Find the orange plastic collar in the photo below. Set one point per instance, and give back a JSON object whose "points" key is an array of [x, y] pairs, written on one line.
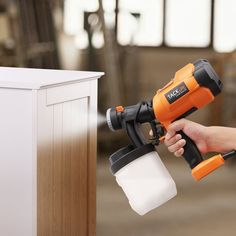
{"points": [[207, 166], [120, 108]]}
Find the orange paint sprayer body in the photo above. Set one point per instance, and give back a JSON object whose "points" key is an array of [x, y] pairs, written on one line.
{"points": [[181, 96]]}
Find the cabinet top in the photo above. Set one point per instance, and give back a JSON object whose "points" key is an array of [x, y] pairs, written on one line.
{"points": [[24, 78]]}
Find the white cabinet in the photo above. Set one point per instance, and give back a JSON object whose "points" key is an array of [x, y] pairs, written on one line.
{"points": [[47, 152]]}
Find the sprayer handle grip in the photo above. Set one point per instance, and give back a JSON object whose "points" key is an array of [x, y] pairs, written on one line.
{"points": [[191, 153]]}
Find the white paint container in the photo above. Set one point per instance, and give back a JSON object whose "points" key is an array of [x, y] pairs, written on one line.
{"points": [[143, 177]]}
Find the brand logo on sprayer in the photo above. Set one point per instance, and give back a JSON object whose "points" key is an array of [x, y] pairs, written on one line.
{"points": [[176, 93], [173, 94]]}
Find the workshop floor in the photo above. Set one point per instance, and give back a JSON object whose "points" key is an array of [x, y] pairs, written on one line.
{"points": [[204, 208]]}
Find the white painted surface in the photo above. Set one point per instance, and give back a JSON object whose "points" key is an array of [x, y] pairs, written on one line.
{"points": [[67, 92], [11, 77], [17, 164], [19, 140]]}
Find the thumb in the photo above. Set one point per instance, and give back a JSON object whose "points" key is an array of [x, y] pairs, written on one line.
{"points": [[175, 127]]}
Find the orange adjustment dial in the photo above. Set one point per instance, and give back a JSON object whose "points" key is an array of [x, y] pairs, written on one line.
{"points": [[207, 166], [120, 108], [162, 138]]}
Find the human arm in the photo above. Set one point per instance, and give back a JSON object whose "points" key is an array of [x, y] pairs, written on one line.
{"points": [[207, 139]]}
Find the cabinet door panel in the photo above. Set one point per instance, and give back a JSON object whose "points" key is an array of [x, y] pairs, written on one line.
{"points": [[63, 166]]}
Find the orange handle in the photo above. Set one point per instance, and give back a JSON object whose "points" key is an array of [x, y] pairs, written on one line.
{"points": [[207, 166]]}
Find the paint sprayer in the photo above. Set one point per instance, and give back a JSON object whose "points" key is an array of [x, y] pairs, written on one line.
{"points": [[137, 167]]}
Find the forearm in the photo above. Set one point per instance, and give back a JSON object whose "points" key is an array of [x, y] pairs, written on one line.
{"points": [[221, 139]]}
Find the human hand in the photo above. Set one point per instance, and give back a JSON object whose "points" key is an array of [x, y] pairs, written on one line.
{"points": [[195, 131]]}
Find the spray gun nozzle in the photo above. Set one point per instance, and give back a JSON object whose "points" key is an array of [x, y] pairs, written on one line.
{"points": [[113, 119]]}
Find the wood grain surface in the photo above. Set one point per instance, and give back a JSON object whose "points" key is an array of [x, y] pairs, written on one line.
{"points": [[66, 167]]}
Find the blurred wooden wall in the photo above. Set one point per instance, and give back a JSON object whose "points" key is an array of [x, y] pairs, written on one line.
{"points": [[32, 40]]}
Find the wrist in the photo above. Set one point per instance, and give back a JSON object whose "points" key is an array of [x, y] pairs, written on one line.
{"points": [[220, 139], [209, 131]]}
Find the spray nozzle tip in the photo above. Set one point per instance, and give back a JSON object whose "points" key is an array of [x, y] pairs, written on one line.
{"points": [[108, 117]]}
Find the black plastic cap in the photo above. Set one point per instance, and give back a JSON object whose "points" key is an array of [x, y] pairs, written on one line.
{"points": [[125, 155], [206, 76]]}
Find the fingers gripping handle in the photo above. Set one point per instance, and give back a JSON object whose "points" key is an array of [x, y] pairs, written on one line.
{"points": [[191, 153]]}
